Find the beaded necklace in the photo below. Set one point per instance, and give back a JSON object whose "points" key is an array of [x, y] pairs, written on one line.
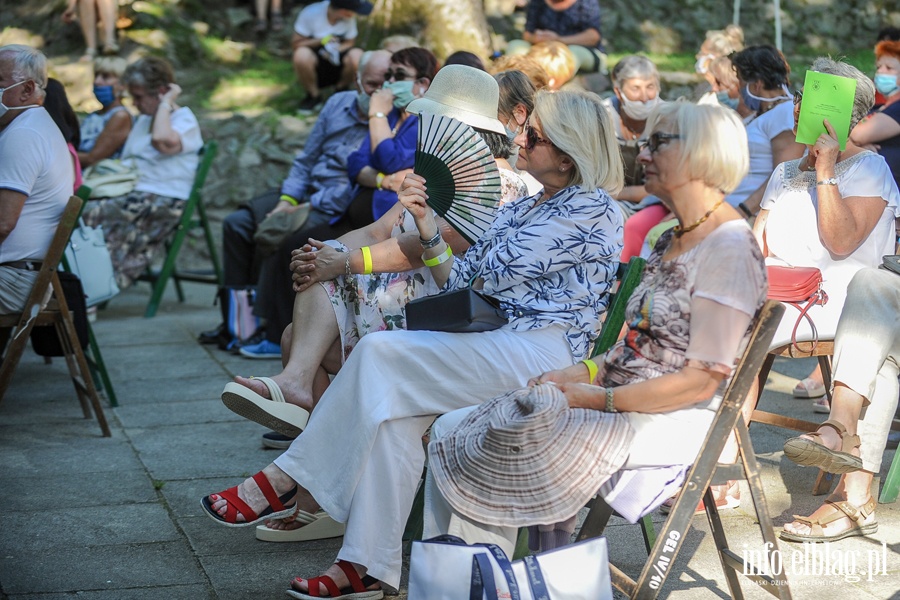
{"points": [[679, 231]]}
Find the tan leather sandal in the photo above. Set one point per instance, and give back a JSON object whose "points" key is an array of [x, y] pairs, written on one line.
{"points": [[810, 453], [839, 510]]}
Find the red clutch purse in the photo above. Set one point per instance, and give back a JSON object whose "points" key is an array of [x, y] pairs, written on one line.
{"points": [[796, 285], [793, 284]]}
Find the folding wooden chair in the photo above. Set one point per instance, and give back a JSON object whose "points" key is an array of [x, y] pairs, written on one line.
{"points": [[57, 314], [822, 351], [188, 222], [706, 472]]}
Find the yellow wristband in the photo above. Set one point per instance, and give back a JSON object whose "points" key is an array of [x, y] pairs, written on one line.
{"points": [[439, 259], [326, 39], [378, 179], [367, 260], [592, 369], [289, 200]]}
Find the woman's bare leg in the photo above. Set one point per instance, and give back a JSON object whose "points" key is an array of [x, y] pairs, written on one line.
{"points": [[87, 15], [312, 338], [109, 13]]}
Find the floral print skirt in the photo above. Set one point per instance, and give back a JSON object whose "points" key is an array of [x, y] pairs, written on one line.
{"points": [[136, 227], [375, 302]]}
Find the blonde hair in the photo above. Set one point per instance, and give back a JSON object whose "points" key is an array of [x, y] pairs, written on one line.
{"points": [[524, 63], [110, 65], [713, 142], [722, 69], [557, 60], [578, 124], [723, 42]]}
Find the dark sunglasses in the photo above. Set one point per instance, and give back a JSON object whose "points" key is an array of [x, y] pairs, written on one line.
{"points": [[397, 75], [657, 138], [532, 139], [798, 97]]}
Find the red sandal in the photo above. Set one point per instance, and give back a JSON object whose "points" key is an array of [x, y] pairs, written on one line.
{"points": [[357, 590], [276, 509]]}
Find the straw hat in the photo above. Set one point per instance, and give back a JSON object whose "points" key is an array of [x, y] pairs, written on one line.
{"points": [[464, 93], [526, 458]]}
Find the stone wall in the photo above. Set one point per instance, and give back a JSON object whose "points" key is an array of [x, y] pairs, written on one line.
{"points": [[662, 26]]}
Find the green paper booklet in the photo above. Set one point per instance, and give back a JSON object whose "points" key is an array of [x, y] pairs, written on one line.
{"points": [[825, 97]]}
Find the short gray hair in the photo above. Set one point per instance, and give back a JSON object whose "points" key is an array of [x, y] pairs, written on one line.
{"points": [[27, 63], [863, 99], [634, 66]]}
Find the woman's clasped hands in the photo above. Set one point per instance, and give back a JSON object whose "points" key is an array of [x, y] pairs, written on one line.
{"points": [[315, 262]]}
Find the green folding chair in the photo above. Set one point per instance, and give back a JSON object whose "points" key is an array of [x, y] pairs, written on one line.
{"points": [[189, 221]]}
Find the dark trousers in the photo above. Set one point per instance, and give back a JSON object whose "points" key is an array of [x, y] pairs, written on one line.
{"points": [[275, 292], [241, 263]]}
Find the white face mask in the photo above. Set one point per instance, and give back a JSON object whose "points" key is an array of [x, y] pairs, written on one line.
{"points": [[637, 110], [4, 108]]}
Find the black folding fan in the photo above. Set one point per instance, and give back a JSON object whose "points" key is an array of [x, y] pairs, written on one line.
{"points": [[461, 174]]}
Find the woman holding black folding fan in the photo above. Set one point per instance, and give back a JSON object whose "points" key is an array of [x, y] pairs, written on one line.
{"points": [[550, 258]]}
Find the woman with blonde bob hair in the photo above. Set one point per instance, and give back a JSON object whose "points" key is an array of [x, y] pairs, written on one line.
{"points": [[649, 400]]}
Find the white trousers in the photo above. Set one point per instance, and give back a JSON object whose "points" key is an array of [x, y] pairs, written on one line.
{"points": [[361, 456], [441, 518], [866, 356]]}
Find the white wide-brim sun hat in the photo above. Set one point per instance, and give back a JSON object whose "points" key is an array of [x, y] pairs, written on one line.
{"points": [[464, 93]]}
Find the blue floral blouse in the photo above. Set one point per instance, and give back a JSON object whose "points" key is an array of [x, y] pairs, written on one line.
{"points": [[555, 260]]}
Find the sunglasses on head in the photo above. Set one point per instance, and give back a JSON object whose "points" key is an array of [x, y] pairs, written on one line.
{"points": [[657, 138], [532, 139], [398, 75], [798, 97]]}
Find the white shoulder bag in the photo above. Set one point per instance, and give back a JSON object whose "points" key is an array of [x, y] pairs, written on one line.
{"points": [[89, 259]]}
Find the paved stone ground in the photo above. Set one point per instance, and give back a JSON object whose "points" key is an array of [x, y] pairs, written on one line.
{"points": [[109, 519]]}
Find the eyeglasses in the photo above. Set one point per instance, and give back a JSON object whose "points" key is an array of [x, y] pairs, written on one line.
{"points": [[397, 75], [798, 97], [657, 138], [532, 139]]}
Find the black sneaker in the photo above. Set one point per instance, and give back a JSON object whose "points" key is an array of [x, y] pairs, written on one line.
{"points": [[236, 345], [310, 104], [276, 441], [214, 336]]}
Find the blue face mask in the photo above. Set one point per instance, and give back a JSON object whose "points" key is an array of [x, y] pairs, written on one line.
{"points": [[885, 83], [726, 100], [104, 94], [403, 92], [754, 102]]}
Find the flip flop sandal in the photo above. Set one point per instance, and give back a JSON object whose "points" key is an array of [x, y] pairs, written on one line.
{"points": [[811, 453], [285, 418], [318, 526], [839, 509], [275, 510], [809, 388], [355, 591]]}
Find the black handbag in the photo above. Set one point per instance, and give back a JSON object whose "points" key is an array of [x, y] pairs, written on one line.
{"points": [[459, 311], [44, 340]]}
